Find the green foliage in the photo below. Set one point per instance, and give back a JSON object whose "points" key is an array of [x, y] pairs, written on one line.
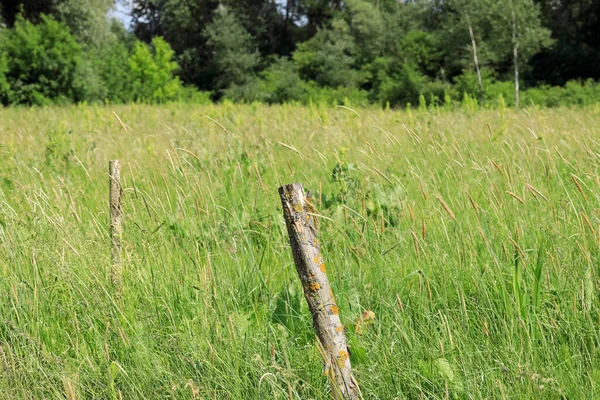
{"points": [[399, 84], [342, 177], [349, 96], [151, 72], [576, 93], [524, 17], [467, 82], [111, 63], [328, 58], [281, 83], [365, 25], [422, 49], [245, 93], [191, 95], [88, 83], [86, 20], [58, 152], [4, 84], [43, 61], [391, 51], [234, 57]]}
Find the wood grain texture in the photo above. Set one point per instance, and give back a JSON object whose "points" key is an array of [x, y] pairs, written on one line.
{"points": [[301, 224]]}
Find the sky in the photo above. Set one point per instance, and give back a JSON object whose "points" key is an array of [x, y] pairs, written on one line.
{"points": [[122, 12]]}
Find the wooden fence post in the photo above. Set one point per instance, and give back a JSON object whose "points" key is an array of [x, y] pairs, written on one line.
{"points": [[300, 220], [116, 215]]}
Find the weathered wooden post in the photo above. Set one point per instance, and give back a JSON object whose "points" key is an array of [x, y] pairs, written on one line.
{"points": [[116, 215], [300, 219]]}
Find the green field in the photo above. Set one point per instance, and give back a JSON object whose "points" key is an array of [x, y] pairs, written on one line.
{"points": [[473, 236]]}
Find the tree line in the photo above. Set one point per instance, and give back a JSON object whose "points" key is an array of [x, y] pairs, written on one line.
{"points": [[386, 52]]}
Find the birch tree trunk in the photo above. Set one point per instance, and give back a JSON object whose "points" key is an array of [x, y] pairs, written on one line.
{"points": [[515, 56], [476, 62], [302, 228]]}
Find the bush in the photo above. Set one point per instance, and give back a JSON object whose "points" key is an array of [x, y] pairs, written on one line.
{"points": [[4, 86], [191, 95], [152, 73], [42, 62], [467, 83], [495, 90], [574, 93], [347, 96], [582, 93], [248, 92], [111, 63], [401, 87], [281, 83], [435, 92], [328, 57], [234, 54]]}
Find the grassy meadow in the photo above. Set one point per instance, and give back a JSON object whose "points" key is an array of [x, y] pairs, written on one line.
{"points": [[474, 237]]}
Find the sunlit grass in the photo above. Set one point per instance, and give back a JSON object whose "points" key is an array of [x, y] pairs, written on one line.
{"points": [[473, 236]]}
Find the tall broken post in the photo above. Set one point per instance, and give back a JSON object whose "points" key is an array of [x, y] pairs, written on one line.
{"points": [[301, 223], [116, 216]]}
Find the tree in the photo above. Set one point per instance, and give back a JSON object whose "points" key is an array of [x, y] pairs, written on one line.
{"points": [[42, 62], [281, 82], [366, 27], [4, 85], [181, 23], [152, 73], [29, 9], [575, 54], [519, 31], [472, 17], [329, 57], [234, 55], [86, 20], [263, 21]]}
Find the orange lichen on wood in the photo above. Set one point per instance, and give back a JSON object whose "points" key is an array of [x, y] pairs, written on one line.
{"points": [[297, 207], [302, 226], [342, 358]]}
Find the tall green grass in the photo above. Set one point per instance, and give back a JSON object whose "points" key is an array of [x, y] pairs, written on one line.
{"points": [[473, 236]]}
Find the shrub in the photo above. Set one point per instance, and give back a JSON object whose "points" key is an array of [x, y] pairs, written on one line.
{"points": [[191, 95], [401, 87], [234, 54], [248, 92], [281, 83], [111, 63], [4, 86], [494, 90], [42, 62], [328, 57], [333, 96], [581, 93], [574, 93], [152, 73]]}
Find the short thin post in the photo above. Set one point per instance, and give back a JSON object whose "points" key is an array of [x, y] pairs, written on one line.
{"points": [[116, 215], [300, 220]]}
